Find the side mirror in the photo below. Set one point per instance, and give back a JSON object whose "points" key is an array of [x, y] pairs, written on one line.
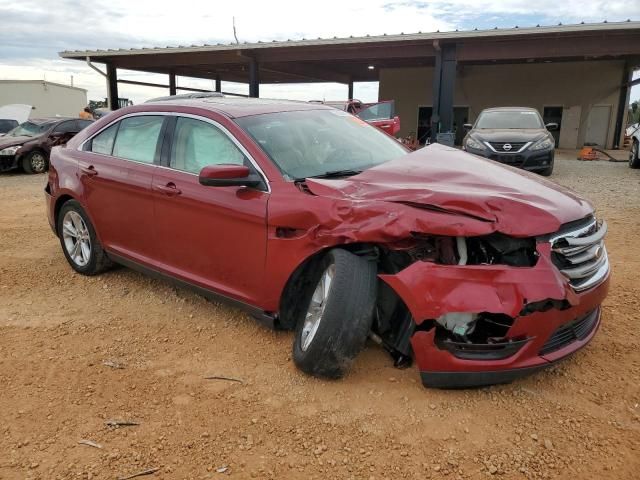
{"points": [[228, 176], [467, 126], [551, 126]]}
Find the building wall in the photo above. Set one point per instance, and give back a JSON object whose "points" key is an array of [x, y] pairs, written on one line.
{"points": [[584, 84], [49, 99]]}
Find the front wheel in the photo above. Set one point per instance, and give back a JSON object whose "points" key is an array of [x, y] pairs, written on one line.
{"points": [[337, 320], [79, 240], [634, 161], [547, 171], [35, 162]]}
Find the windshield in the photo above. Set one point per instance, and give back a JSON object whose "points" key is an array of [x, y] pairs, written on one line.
{"points": [[29, 129], [320, 142], [509, 119]]}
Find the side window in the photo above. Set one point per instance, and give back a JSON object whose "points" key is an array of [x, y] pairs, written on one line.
{"points": [[103, 142], [137, 138], [66, 127], [197, 144], [80, 124]]}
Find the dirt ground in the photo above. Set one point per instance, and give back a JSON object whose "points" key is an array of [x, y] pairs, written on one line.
{"points": [[59, 330]]}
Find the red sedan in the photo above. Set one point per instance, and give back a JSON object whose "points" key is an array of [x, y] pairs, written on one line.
{"points": [[315, 221]]}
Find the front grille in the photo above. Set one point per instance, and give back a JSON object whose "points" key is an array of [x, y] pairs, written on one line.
{"points": [[514, 160], [513, 147], [579, 253], [578, 329]]}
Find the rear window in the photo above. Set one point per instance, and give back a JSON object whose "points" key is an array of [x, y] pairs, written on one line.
{"points": [[137, 138], [103, 142], [509, 119]]}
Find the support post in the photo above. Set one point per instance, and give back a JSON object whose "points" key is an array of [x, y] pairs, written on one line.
{"points": [[112, 82], [172, 83], [254, 78], [350, 90], [218, 83], [623, 104], [444, 81]]}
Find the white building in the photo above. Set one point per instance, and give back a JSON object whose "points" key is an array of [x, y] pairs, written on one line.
{"points": [[48, 99]]}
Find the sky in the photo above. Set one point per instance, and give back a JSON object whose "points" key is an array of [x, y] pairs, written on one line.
{"points": [[34, 31]]}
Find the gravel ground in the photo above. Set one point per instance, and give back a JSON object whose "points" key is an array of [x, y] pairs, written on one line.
{"points": [[61, 335]]}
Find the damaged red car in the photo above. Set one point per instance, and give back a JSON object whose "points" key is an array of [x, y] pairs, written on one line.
{"points": [[312, 220]]}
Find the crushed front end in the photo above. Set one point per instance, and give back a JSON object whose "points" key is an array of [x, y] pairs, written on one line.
{"points": [[476, 311]]}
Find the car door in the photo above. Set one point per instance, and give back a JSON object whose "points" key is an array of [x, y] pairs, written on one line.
{"points": [[213, 237], [116, 171]]}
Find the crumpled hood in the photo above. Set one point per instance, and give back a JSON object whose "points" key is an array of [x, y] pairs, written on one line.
{"points": [[440, 178], [9, 141]]}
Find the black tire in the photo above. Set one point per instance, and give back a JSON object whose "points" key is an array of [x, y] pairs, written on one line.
{"points": [[35, 162], [634, 155], [346, 319], [98, 261]]}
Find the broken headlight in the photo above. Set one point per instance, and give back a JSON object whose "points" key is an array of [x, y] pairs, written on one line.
{"points": [[499, 249]]}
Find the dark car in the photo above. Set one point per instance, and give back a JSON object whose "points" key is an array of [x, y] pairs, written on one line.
{"points": [[515, 136], [29, 144], [314, 221], [6, 125]]}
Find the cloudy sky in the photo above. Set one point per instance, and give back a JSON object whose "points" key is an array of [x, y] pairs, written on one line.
{"points": [[34, 31]]}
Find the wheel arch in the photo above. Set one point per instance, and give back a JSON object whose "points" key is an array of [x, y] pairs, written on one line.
{"points": [[301, 279], [60, 201]]}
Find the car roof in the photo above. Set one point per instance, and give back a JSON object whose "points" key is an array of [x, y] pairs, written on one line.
{"points": [[40, 121], [507, 109], [236, 107]]}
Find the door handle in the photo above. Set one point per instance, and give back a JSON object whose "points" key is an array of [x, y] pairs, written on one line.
{"points": [[169, 189], [90, 170]]}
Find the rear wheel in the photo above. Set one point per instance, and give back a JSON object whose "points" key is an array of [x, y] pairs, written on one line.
{"points": [[337, 320], [35, 162], [634, 161], [79, 241]]}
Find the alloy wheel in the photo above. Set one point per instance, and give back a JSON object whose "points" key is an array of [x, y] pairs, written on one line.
{"points": [[38, 162], [77, 240], [316, 307]]}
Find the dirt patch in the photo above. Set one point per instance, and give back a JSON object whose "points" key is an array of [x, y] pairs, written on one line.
{"points": [[581, 419]]}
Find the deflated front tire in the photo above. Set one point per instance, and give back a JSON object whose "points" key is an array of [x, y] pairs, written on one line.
{"points": [[336, 322]]}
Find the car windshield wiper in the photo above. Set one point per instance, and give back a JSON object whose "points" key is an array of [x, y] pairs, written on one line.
{"points": [[337, 173]]}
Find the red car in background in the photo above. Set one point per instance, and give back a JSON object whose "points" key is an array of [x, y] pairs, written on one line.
{"points": [[314, 221], [378, 114]]}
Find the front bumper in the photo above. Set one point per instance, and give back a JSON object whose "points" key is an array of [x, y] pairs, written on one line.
{"points": [[528, 159], [537, 338], [8, 162]]}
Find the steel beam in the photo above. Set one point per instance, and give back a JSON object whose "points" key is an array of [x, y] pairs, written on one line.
{"points": [[254, 78], [172, 83], [218, 83], [112, 82], [350, 90], [444, 80], [623, 104]]}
